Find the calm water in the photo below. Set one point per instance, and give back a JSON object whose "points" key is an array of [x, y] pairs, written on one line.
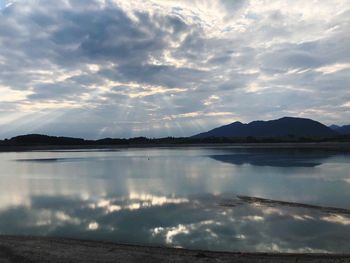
{"points": [[178, 197]]}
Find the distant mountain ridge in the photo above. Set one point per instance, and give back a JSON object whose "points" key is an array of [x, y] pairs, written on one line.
{"points": [[283, 127], [345, 129], [287, 129]]}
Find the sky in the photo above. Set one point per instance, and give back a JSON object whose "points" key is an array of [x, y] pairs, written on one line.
{"points": [[156, 68]]}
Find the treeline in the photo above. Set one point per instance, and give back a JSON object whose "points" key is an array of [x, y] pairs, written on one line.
{"points": [[44, 140]]}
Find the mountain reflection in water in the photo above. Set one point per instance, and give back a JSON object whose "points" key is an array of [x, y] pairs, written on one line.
{"points": [[275, 157], [175, 197]]}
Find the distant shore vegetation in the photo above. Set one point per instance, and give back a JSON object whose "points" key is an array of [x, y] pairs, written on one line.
{"points": [[45, 140]]}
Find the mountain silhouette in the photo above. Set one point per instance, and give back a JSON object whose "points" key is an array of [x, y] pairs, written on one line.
{"points": [[284, 127], [39, 139], [341, 129], [287, 129]]}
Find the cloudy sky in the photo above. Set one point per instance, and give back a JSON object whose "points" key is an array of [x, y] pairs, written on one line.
{"points": [[101, 68]]}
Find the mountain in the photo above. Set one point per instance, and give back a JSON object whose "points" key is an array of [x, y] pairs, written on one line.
{"points": [[38, 139], [287, 126], [341, 129]]}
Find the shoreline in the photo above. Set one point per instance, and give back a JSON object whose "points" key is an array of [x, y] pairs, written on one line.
{"points": [[48, 249], [337, 146]]}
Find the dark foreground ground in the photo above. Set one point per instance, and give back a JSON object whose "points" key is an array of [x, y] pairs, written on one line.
{"points": [[34, 249]]}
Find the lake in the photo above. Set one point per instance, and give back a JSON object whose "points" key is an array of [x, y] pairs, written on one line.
{"points": [[181, 197]]}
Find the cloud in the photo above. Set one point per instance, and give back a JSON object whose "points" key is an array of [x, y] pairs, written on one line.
{"points": [[111, 62], [194, 223]]}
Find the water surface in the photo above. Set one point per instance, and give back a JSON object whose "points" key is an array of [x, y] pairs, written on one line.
{"points": [[181, 197]]}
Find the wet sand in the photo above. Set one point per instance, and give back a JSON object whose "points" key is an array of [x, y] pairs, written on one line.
{"points": [[38, 249]]}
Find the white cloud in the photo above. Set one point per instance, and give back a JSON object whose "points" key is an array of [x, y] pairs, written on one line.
{"points": [[170, 67]]}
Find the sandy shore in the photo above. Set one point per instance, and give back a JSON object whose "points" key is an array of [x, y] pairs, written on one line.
{"points": [[35, 249]]}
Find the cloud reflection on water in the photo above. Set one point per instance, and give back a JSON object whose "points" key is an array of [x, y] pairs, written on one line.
{"points": [[190, 222], [173, 197]]}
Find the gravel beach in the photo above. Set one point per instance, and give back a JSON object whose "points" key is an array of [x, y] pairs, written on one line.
{"points": [[39, 249]]}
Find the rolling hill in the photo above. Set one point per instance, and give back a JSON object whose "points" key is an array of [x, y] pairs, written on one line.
{"points": [[287, 126], [341, 129]]}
